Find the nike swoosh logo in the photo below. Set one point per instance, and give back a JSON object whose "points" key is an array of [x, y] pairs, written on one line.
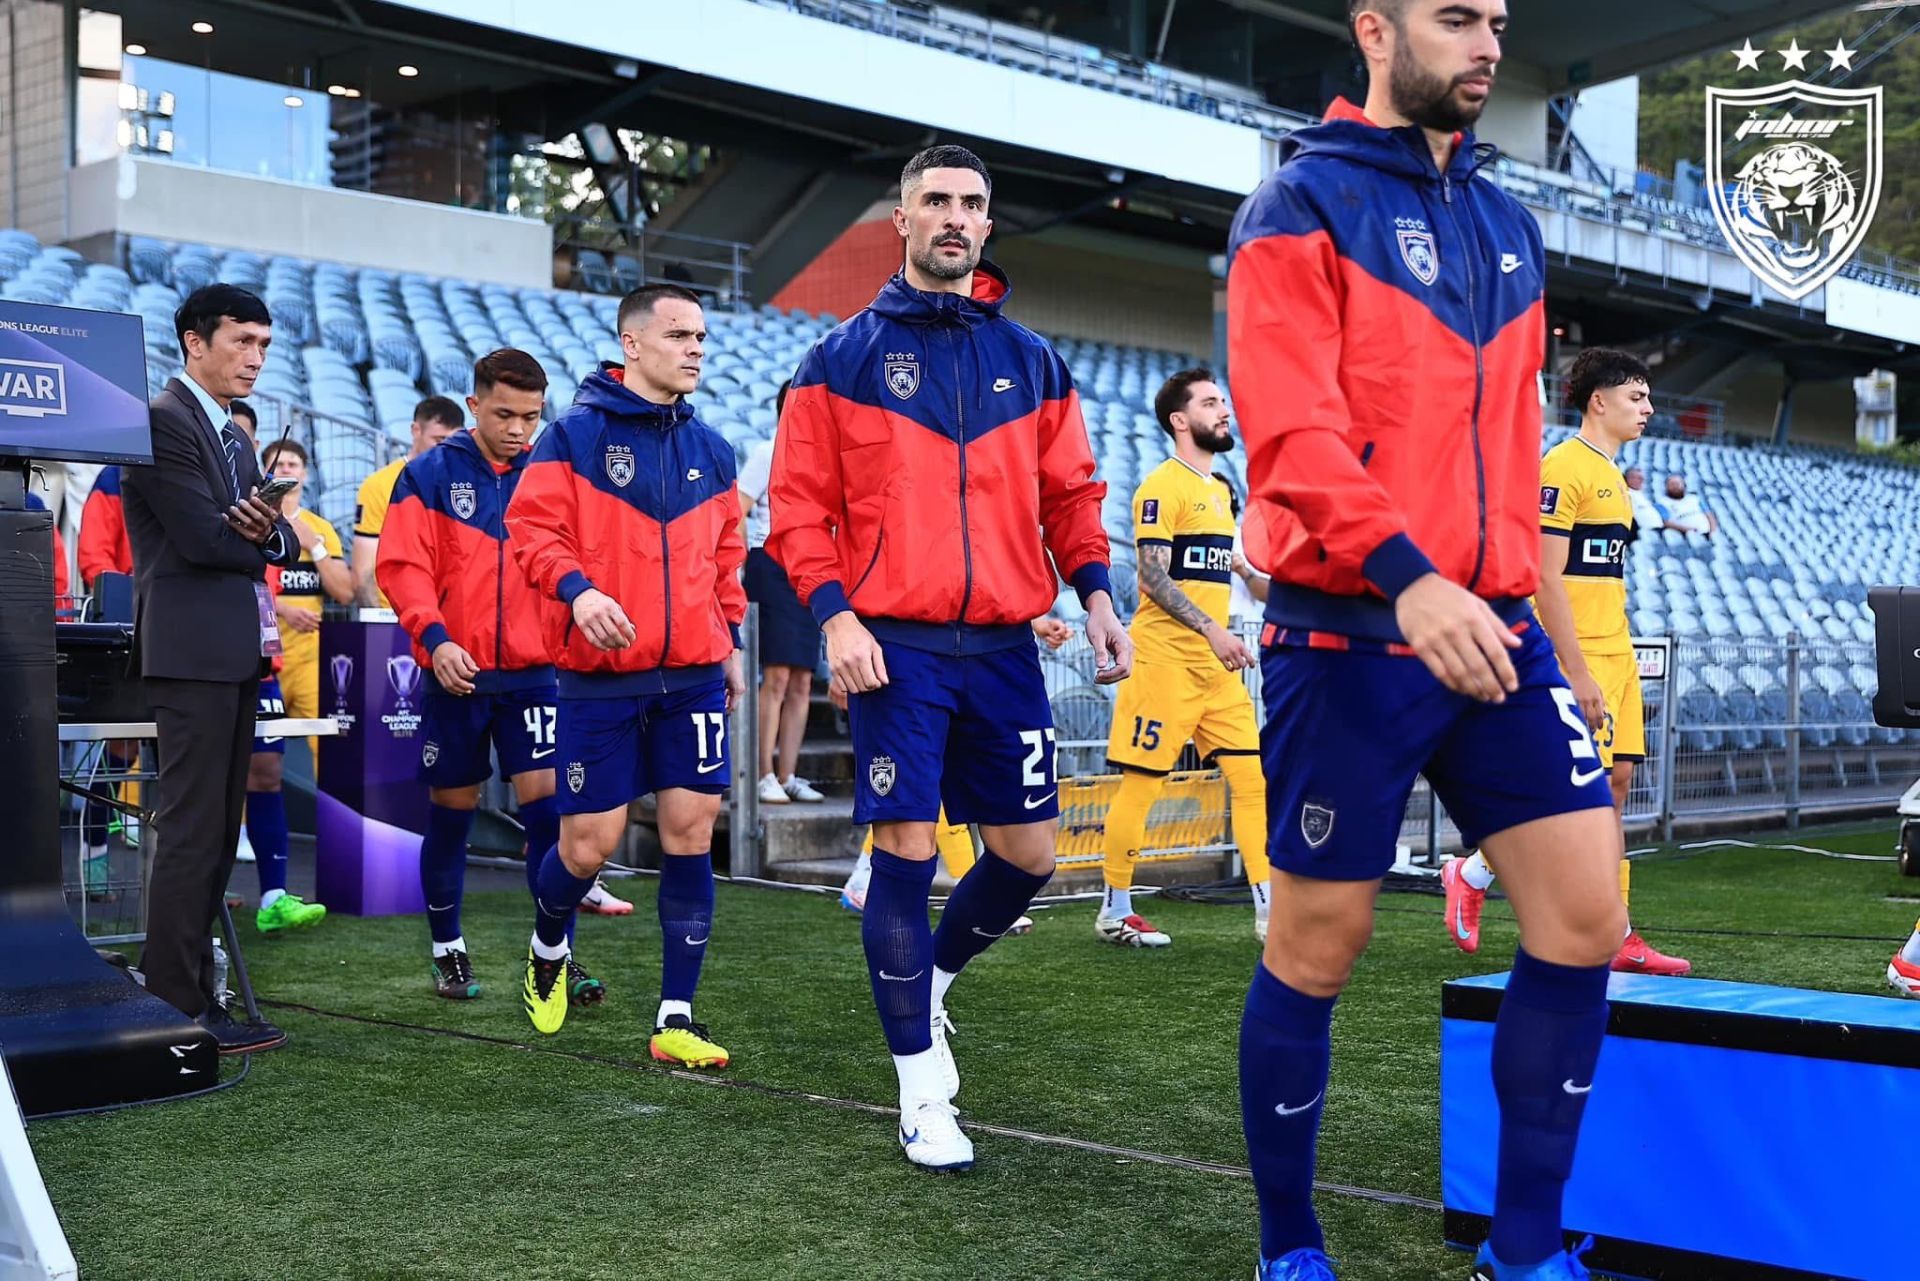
{"points": [[694, 942], [708, 769], [1509, 263], [539, 755], [1038, 801], [983, 934], [1003, 384], [1281, 1109], [909, 1138], [448, 907], [1460, 923], [1637, 960], [275, 739], [1581, 780], [1571, 1088], [899, 978]]}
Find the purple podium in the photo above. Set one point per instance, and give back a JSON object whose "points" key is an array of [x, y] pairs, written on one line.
{"points": [[372, 808]]}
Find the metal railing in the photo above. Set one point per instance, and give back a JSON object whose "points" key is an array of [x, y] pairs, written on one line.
{"points": [[617, 258]]}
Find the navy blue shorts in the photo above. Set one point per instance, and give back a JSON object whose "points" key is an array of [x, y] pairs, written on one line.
{"points": [[973, 732], [271, 706], [1348, 731], [613, 750], [460, 733], [788, 634]]}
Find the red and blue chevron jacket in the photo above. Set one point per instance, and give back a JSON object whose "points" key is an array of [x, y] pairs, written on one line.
{"points": [[104, 548], [1386, 331], [930, 460], [637, 500], [447, 568]]}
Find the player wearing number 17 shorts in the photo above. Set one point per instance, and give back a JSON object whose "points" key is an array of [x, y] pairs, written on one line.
{"points": [[630, 519], [1386, 321], [930, 472], [445, 565]]}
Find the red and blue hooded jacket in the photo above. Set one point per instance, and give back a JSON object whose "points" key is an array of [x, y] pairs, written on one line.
{"points": [[104, 548], [638, 501], [1386, 331], [930, 460], [446, 566]]}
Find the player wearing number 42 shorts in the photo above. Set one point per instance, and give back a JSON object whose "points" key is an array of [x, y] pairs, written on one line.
{"points": [[445, 562], [629, 518], [930, 472], [1586, 526]]}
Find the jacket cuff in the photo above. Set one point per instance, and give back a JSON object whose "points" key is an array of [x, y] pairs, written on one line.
{"points": [[1090, 578], [733, 630], [1395, 564], [434, 637], [572, 584], [828, 599]]}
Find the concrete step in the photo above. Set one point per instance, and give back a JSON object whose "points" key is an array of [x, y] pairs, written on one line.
{"points": [[809, 833]]}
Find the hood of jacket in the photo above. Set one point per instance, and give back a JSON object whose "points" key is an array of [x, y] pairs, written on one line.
{"points": [[900, 301], [1347, 134], [605, 391]]}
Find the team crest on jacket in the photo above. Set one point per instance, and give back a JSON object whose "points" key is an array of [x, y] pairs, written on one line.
{"points": [[1417, 249], [620, 465], [903, 375], [880, 775], [460, 495]]}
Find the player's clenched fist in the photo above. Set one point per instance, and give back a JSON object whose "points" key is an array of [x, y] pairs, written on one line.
{"points": [[853, 655], [454, 668], [1459, 637], [601, 620]]}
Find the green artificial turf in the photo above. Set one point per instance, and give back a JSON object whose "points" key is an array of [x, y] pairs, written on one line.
{"points": [[371, 1149]]}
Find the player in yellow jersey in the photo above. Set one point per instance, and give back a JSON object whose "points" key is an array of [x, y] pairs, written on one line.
{"points": [[434, 419], [1586, 523], [321, 572], [1187, 663]]}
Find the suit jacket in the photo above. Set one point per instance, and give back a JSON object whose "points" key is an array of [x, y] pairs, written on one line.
{"points": [[196, 616]]}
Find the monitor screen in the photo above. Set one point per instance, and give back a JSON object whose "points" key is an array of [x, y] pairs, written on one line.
{"points": [[73, 385]]}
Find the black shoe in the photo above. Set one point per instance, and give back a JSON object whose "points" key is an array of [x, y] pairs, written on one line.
{"points": [[582, 987], [234, 1037], [453, 976]]}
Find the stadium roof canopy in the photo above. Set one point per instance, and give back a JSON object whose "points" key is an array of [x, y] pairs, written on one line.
{"points": [[1571, 44]]}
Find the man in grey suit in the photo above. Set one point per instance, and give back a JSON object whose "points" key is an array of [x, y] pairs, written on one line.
{"points": [[203, 628]]}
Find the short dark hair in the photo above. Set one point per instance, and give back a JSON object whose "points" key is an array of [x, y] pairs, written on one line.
{"points": [[240, 407], [1174, 394], [1598, 368], [641, 302], [780, 399], [1394, 11], [208, 305], [285, 445], [442, 409], [507, 365], [945, 156]]}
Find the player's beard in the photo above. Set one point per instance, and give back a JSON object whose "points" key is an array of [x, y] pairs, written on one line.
{"points": [[930, 261], [1219, 441], [1426, 99]]}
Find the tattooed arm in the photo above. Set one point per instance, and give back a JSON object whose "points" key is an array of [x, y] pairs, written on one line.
{"points": [[1156, 559]]}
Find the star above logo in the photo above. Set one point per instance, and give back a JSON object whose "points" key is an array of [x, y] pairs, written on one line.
{"points": [[1793, 57]]}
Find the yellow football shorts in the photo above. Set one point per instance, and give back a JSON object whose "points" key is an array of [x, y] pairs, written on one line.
{"points": [[1160, 707]]}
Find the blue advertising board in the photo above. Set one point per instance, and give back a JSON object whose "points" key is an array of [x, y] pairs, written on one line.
{"points": [[73, 385]]}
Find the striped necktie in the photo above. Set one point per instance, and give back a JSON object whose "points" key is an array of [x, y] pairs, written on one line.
{"points": [[230, 443]]}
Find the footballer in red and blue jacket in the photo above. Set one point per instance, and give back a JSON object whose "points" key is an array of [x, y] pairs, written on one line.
{"points": [[1386, 330], [445, 565], [629, 518], [930, 474]]}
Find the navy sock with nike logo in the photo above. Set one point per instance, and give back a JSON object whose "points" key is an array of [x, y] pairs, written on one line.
{"points": [[899, 945], [1285, 1052], [1545, 1046], [443, 868], [686, 921], [983, 906]]}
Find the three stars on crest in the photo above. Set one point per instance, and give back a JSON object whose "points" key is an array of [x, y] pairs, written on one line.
{"points": [[1793, 57]]}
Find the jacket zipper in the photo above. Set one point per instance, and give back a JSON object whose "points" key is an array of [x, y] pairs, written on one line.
{"points": [[1479, 380], [666, 564], [499, 581], [966, 535], [872, 560]]}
